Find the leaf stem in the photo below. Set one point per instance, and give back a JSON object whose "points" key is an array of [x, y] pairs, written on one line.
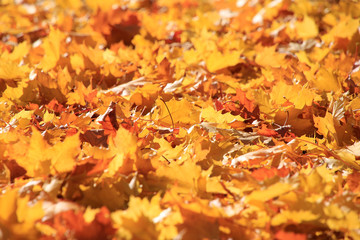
{"points": [[166, 159], [172, 120]]}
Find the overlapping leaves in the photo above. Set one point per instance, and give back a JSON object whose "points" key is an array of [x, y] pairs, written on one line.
{"points": [[179, 119]]}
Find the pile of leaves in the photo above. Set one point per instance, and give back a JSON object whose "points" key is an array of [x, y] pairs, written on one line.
{"points": [[179, 119]]}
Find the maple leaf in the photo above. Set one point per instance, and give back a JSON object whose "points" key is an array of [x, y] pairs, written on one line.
{"points": [[176, 113], [217, 61], [268, 57], [52, 45], [307, 28], [243, 100], [37, 161], [345, 29], [211, 115], [11, 70], [123, 147], [264, 131], [17, 219], [326, 81], [65, 154]]}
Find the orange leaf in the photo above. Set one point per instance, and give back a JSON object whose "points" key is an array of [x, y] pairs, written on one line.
{"points": [[281, 235], [264, 131], [243, 100]]}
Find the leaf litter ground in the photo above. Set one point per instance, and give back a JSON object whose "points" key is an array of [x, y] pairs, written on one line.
{"points": [[179, 119]]}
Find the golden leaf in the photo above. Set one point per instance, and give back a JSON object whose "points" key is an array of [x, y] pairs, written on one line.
{"points": [[64, 154], [52, 47], [307, 28], [268, 57], [217, 61]]}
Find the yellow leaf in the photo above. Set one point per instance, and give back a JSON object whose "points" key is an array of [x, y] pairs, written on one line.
{"points": [[36, 162], [282, 92], [78, 96], [17, 216], [51, 47], [45, 229], [192, 56], [72, 4], [330, 19], [274, 190], [349, 221], [166, 149], [325, 125], [301, 55], [27, 214], [213, 185], [317, 55], [301, 96], [11, 70], [209, 114], [348, 158], [22, 90], [181, 111], [63, 154], [333, 210], [217, 61], [124, 149], [102, 5], [263, 100], [294, 216], [90, 213], [22, 119], [305, 97], [139, 220], [325, 81], [268, 57], [19, 52], [355, 104], [77, 62], [345, 29], [307, 28], [48, 117], [26, 217], [184, 178], [8, 205]]}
